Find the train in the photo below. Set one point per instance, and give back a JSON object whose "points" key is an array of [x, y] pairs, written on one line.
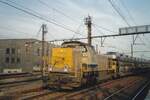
{"points": [[76, 64]]}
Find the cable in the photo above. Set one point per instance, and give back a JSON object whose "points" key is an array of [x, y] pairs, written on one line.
{"points": [[38, 32], [37, 16], [14, 32], [104, 28], [131, 18], [110, 1], [8, 29], [77, 30], [114, 7], [122, 3], [46, 5], [98, 30], [24, 7]]}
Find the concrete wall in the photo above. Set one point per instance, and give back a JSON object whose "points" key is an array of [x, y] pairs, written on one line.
{"points": [[26, 53]]}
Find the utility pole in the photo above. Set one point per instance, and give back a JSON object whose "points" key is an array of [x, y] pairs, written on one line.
{"points": [[88, 23], [132, 44], [44, 31], [131, 50]]}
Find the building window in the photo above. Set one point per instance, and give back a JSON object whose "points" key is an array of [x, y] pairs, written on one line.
{"points": [[7, 51], [12, 60], [47, 52], [13, 50], [114, 63], [18, 60], [38, 51], [18, 51], [7, 60]]}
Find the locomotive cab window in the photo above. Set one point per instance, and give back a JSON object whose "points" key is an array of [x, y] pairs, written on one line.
{"points": [[83, 49]]}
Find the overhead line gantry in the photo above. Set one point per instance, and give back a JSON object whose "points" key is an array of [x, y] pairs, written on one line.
{"points": [[146, 30]]}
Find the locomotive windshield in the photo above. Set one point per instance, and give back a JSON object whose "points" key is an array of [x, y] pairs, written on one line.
{"points": [[83, 49]]}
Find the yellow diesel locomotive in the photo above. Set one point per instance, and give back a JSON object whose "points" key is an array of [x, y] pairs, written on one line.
{"points": [[76, 64]]}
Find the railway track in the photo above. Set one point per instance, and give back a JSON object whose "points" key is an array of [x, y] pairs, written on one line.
{"points": [[45, 94], [117, 93], [111, 90], [139, 94], [20, 89], [23, 82], [20, 78], [17, 75], [131, 91], [99, 91], [51, 94], [106, 91]]}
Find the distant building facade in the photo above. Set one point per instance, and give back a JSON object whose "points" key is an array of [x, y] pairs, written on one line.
{"points": [[21, 55]]}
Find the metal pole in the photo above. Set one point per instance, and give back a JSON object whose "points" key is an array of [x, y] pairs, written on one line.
{"points": [[44, 31], [131, 50], [42, 49], [132, 45], [88, 23]]}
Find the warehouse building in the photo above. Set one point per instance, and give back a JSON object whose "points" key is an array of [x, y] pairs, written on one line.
{"points": [[21, 55]]}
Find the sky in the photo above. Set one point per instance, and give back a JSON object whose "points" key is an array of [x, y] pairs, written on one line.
{"points": [[70, 14]]}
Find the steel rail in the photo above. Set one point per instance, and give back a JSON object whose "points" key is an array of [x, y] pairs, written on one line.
{"points": [[120, 90], [35, 96], [92, 88], [141, 90]]}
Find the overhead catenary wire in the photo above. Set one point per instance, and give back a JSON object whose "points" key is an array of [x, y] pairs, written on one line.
{"points": [[114, 7], [34, 36], [58, 11], [106, 29], [132, 19], [103, 28], [130, 15], [98, 30], [26, 8], [16, 31], [38, 16], [122, 16], [76, 32]]}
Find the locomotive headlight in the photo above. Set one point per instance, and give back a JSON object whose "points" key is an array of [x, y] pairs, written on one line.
{"points": [[50, 68], [114, 56], [84, 54], [65, 69]]}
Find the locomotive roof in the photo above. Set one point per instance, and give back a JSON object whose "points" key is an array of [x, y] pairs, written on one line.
{"points": [[74, 42]]}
